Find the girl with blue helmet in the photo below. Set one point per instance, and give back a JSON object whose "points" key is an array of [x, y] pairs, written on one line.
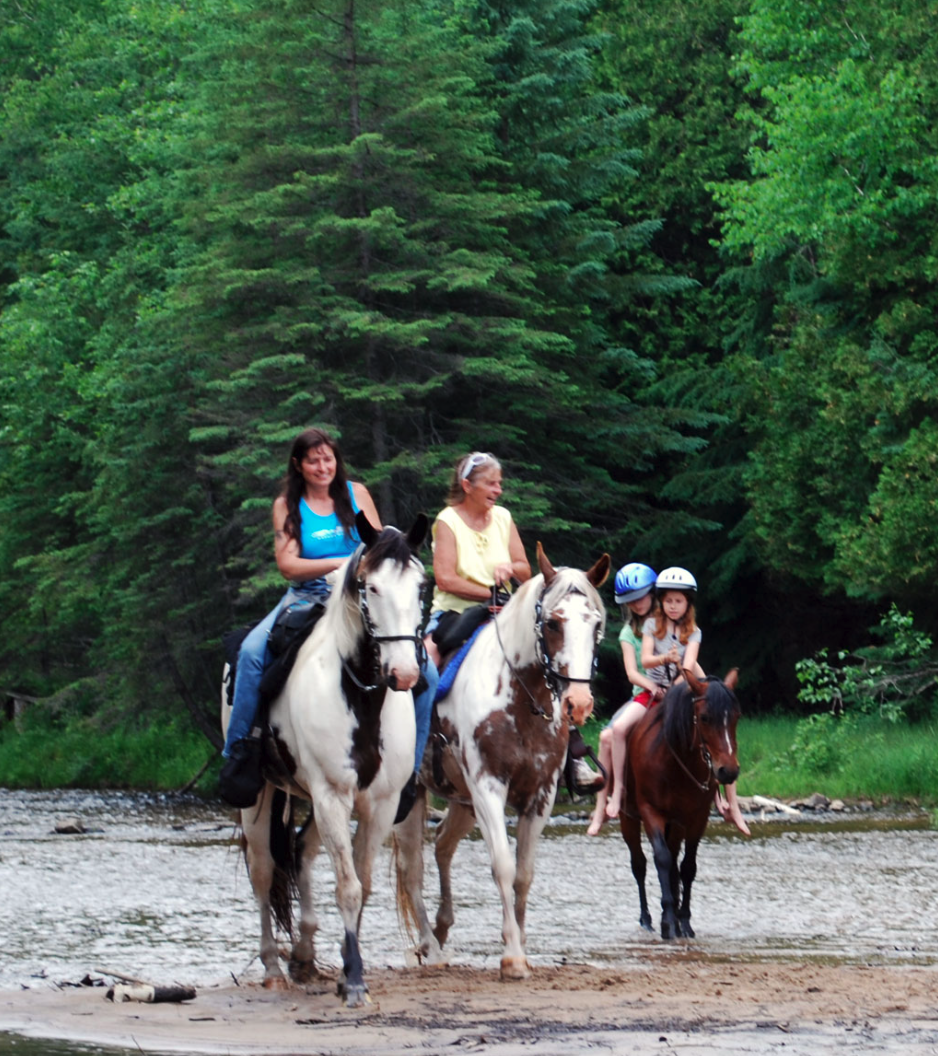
{"points": [[634, 586]]}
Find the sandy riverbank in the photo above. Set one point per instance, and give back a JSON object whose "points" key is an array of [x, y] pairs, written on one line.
{"points": [[683, 1004]]}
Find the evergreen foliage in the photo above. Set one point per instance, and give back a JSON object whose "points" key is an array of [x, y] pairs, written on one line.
{"points": [[687, 299]]}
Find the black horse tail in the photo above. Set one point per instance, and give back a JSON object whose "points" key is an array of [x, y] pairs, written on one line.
{"points": [[284, 849]]}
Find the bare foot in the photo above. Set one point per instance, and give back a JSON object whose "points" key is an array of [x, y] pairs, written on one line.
{"points": [[597, 820], [736, 817], [614, 806]]}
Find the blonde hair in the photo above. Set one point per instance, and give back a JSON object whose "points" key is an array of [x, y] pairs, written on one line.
{"points": [[466, 469]]}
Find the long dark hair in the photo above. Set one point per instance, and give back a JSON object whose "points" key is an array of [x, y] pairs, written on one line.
{"points": [[294, 485]]}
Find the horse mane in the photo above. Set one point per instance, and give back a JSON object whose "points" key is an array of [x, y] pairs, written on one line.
{"points": [[675, 714], [518, 631], [342, 605]]}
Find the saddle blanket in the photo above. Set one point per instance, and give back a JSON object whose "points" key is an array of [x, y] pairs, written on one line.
{"points": [[451, 669]]}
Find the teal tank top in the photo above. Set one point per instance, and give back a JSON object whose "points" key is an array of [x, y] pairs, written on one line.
{"points": [[325, 536]]}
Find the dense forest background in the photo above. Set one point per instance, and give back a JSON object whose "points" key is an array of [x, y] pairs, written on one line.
{"points": [[675, 264]]}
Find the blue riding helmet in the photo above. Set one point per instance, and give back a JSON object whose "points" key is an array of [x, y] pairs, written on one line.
{"points": [[633, 581]]}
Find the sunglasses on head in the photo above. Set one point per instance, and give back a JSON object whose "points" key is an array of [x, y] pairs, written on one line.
{"points": [[477, 458]]}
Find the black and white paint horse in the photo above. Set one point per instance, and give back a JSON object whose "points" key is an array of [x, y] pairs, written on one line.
{"points": [[344, 731]]}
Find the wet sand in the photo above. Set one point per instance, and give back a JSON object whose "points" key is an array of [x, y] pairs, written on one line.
{"points": [[684, 1004]]}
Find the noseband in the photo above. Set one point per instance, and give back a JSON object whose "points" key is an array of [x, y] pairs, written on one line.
{"points": [[553, 679]]}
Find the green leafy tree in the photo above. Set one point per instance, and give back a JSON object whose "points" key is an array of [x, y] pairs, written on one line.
{"points": [[842, 204]]}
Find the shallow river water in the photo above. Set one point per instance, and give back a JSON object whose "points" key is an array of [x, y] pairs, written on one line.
{"points": [[156, 889]]}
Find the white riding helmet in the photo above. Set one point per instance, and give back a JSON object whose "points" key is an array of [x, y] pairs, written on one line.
{"points": [[675, 579]]}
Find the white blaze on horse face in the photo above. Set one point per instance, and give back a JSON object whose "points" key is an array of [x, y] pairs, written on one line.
{"points": [[393, 598], [580, 621]]}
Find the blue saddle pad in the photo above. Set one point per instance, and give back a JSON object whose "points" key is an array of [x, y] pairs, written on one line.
{"points": [[448, 674]]}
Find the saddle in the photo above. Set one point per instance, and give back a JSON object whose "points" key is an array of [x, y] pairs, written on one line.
{"points": [[255, 759]]}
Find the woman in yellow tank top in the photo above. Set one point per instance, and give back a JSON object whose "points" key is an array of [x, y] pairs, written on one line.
{"points": [[476, 544]]}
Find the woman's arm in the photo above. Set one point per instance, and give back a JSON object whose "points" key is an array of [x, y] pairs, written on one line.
{"points": [[444, 567], [518, 566], [367, 505]]}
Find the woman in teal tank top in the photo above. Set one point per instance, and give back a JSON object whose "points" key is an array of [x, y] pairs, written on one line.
{"points": [[314, 533]]}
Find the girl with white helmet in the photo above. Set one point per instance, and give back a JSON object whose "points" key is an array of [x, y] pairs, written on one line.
{"points": [[635, 584], [671, 638]]}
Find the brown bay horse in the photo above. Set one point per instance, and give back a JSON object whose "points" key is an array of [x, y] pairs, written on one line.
{"points": [[678, 753]]}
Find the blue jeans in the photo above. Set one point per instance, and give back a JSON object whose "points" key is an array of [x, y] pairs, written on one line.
{"points": [[423, 707], [253, 660]]}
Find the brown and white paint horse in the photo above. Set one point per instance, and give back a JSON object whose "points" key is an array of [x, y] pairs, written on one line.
{"points": [[344, 731], [499, 739]]}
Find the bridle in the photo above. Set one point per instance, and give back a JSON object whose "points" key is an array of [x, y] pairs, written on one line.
{"points": [[553, 679], [704, 753], [374, 639]]}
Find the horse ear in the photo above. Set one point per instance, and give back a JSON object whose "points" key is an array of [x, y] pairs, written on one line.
{"points": [[699, 688], [732, 677], [544, 565], [366, 530], [418, 532], [598, 574]]}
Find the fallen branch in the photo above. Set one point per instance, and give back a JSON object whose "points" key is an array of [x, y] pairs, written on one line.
{"points": [[150, 995], [764, 801]]}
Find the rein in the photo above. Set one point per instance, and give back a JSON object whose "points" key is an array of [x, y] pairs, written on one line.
{"points": [[552, 677], [704, 754]]}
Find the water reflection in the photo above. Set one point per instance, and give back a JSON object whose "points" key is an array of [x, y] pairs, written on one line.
{"points": [[156, 890]]}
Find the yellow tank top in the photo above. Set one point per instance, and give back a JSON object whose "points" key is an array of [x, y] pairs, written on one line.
{"points": [[477, 553]]}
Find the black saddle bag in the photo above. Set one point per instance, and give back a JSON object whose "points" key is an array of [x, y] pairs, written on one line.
{"points": [[455, 628], [291, 629]]}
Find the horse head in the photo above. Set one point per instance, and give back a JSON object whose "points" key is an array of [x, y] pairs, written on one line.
{"points": [[572, 621], [716, 712], [387, 579]]}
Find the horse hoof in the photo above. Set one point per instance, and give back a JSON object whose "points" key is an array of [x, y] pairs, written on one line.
{"points": [[514, 968], [357, 996], [686, 930], [646, 923], [303, 971], [276, 983]]}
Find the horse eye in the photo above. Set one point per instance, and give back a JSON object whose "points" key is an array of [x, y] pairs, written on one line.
{"points": [[553, 625]]}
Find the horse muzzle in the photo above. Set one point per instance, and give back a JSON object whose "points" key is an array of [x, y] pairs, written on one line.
{"points": [[578, 702], [726, 774], [401, 681]]}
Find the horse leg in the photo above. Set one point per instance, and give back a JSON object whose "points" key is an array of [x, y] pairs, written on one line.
{"points": [[667, 877], [490, 813], [408, 859], [302, 965], [632, 834], [529, 827], [458, 822], [333, 817], [688, 873], [255, 825]]}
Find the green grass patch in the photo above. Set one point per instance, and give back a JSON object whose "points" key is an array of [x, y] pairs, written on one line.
{"points": [[785, 757], [45, 749]]}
